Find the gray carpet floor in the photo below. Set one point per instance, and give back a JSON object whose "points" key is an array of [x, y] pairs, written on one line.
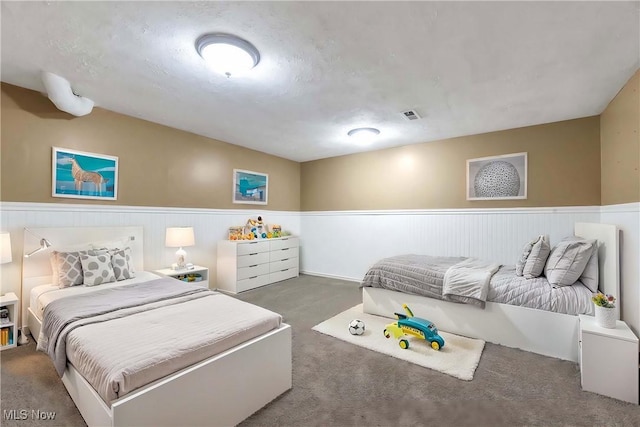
{"points": [[339, 384]]}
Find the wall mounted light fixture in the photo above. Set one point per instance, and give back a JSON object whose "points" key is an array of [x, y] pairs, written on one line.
{"points": [[227, 54], [44, 244]]}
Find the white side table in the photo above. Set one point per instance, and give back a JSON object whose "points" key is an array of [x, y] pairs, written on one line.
{"points": [[8, 327], [609, 360], [180, 274]]}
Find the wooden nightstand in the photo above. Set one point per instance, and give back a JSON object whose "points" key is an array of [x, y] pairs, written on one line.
{"points": [[178, 274], [9, 328], [609, 360]]}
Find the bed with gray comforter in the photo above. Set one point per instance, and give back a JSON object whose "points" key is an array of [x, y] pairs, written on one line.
{"points": [[123, 338], [426, 276]]}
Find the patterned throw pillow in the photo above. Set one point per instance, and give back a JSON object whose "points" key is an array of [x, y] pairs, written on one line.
{"points": [[97, 269], [122, 263], [67, 268]]}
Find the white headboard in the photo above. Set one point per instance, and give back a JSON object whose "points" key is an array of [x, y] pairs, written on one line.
{"points": [[36, 270], [608, 237]]}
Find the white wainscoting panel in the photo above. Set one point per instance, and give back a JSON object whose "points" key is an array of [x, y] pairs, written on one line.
{"points": [[627, 218], [344, 244], [210, 225]]}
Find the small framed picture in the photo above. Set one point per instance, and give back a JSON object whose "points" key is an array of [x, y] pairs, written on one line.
{"points": [[250, 187], [81, 175], [497, 177]]}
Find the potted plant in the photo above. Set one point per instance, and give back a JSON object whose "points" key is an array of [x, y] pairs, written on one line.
{"points": [[605, 310]]}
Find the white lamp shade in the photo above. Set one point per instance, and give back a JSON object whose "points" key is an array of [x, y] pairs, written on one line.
{"points": [[5, 248], [178, 237]]}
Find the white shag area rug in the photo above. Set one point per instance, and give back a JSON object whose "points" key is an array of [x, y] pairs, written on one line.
{"points": [[459, 357]]}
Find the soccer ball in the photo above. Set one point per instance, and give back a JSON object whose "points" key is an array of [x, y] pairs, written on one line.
{"points": [[356, 327]]}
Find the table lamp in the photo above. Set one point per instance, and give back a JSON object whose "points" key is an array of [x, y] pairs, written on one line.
{"points": [[5, 248], [179, 237]]}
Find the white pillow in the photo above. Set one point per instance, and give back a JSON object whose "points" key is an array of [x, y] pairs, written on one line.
{"points": [[97, 269], [117, 243], [568, 261]]}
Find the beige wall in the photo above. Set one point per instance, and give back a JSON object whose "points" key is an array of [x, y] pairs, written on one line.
{"points": [[563, 170], [158, 165], [620, 144]]}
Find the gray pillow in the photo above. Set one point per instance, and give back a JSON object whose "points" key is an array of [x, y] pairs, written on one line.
{"points": [[534, 266], [568, 261], [523, 257], [122, 263], [97, 269], [590, 275], [67, 268]]}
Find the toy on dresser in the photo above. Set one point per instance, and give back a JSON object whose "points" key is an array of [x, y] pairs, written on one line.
{"points": [[255, 229]]}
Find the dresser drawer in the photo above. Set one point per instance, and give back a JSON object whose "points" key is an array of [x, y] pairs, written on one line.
{"points": [[252, 282], [280, 254], [285, 242], [253, 259], [255, 270], [246, 248], [283, 265], [283, 275]]}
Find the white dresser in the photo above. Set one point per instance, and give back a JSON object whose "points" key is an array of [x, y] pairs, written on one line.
{"points": [[248, 264]]}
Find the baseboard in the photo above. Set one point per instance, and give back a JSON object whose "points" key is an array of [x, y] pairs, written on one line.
{"points": [[331, 276]]}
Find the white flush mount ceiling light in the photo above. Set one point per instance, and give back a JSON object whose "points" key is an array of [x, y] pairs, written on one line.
{"points": [[363, 135], [227, 54]]}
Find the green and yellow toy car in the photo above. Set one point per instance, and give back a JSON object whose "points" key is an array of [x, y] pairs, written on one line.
{"points": [[407, 324]]}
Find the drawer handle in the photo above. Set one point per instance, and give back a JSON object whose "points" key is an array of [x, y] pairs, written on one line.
{"points": [[285, 249], [253, 243], [254, 277], [286, 259], [285, 239], [285, 269], [251, 266], [254, 254]]}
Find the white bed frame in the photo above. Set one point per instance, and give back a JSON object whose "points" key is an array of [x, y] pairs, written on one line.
{"points": [[221, 390], [538, 331]]}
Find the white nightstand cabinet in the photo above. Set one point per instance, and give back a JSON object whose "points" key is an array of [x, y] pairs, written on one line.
{"points": [[197, 269], [9, 328], [249, 264], [609, 360]]}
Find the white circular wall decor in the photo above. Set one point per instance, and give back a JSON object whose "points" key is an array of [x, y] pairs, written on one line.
{"points": [[497, 179]]}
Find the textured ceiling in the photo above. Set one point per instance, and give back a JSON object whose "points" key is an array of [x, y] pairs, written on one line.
{"points": [[327, 67]]}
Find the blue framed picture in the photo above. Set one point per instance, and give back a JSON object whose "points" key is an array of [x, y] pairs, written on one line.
{"points": [[81, 175], [250, 187]]}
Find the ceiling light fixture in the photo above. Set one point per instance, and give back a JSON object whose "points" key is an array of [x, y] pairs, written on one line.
{"points": [[227, 54], [363, 135]]}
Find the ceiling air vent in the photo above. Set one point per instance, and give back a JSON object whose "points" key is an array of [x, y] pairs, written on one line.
{"points": [[410, 115]]}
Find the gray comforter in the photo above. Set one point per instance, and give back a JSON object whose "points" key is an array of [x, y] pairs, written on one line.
{"points": [[63, 316], [424, 275]]}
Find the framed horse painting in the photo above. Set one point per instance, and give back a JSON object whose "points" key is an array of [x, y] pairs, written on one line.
{"points": [[81, 175]]}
